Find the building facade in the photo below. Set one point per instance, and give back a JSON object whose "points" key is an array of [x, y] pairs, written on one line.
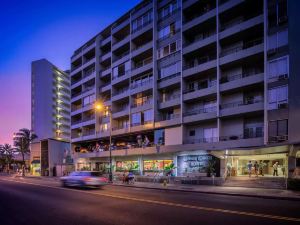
{"points": [[50, 115], [186, 82]]}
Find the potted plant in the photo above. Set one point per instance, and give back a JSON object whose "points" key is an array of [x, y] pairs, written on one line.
{"points": [[210, 168]]}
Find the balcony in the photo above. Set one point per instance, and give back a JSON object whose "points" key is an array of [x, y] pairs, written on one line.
{"points": [[118, 26], [105, 87], [138, 107], [140, 87], [248, 49], [105, 72], [239, 81], [121, 112], [199, 42], [169, 101], [229, 4], [168, 120], [121, 77], [200, 114], [75, 69], [140, 49], [105, 41], [199, 18], [241, 107], [169, 80], [84, 108], [239, 25], [89, 62], [105, 56], [103, 133], [190, 94], [199, 65], [141, 27], [89, 46], [201, 140], [121, 58], [120, 94], [121, 43], [120, 130], [142, 66]]}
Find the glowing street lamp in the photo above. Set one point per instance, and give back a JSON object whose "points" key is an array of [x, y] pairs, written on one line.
{"points": [[100, 107]]}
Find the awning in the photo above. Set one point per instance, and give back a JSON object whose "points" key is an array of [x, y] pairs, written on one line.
{"points": [[35, 162]]}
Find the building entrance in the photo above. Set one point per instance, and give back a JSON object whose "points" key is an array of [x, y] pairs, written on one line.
{"points": [[243, 165]]}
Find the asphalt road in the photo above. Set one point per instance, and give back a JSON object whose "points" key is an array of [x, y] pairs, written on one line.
{"points": [[39, 202]]}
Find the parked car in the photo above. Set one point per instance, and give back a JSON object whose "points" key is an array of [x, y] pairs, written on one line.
{"points": [[84, 179]]}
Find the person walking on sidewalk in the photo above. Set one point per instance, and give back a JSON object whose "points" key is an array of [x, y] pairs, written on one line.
{"points": [[261, 167], [275, 167], [256, 168], [249, 166]]}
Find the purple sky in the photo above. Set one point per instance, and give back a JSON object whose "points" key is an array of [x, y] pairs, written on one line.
{"points": [[32, 30]]}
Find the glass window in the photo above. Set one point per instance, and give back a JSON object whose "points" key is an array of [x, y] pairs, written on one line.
{"points": [[277, 96], [278, 67], [148, 115], [159, 137], [192, 133], [136, 118]]}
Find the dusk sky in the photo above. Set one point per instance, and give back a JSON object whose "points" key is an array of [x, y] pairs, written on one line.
{"points": [[32, 30]]}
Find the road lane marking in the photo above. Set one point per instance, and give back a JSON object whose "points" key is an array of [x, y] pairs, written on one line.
{"points": [[244, 213]]}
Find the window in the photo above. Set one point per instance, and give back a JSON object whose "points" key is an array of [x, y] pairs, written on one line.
{"points": [[169, 49], [210, 134], [168, 9], [89, 100], [192, 133], [142, 21], [169, 30], [121, 70], [159, 137], [278, 97], [278, 39], [170, 70], [148, 116], [278, 67], [104, 127], [278, 130], [277, 13], [136, 118]]}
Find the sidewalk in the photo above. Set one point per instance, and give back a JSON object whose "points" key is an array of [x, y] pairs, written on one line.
{"points": [[232, 191]]}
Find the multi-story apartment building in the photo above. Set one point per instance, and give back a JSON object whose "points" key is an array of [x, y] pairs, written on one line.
{"points": [[190, 81], [50, 114]]}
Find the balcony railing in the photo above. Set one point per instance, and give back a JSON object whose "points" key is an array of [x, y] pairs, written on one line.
{"points": [[169, 14], [201, 140], [169, 77], [121, 75], [122, 55], [120, 91], [240, 103], [231, 23], [143, 63], [168, 117], [137, 104], [199, 13], [121, 108], [169, 98], [200, 37], [230, 78], [88, 132], [118, 41], [140, 46], [198, 61], [210, 84], [75, 67], [200, 111], [143, 83], [89, 72], [243, 136], [244, 46], [169, 35], [75, 107], [120, 127], [87, 89]]}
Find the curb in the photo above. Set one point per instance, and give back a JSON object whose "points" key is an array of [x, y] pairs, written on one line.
{"points": [[211, 193]]}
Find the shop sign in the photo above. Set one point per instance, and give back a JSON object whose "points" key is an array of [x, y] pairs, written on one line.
{"points": [[193, 163]]}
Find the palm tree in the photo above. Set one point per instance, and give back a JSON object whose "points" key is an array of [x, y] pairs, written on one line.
{"points": [[7, 153], [22, 140]]}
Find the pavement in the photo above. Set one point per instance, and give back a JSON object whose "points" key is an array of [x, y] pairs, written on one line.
{"points": [[42, 201], [208, 189]]}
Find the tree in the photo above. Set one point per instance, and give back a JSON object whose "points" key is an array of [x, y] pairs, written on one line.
{"points": [[7, 153], [22, 140]]}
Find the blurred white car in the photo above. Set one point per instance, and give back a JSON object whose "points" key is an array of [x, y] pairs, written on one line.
{"points": [[84, 179]]}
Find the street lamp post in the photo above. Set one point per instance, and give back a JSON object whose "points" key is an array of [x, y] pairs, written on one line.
{"points": [[99, 107]]}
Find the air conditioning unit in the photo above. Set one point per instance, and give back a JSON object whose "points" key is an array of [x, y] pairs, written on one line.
{"points": [[282, 19], [282, 106], [272, 51], [282, 138], [283, 77]]}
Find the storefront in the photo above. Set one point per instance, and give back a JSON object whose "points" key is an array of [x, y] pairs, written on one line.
{"points": [[125, 166], [35, 167], [237, 162], [158, 166]]}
